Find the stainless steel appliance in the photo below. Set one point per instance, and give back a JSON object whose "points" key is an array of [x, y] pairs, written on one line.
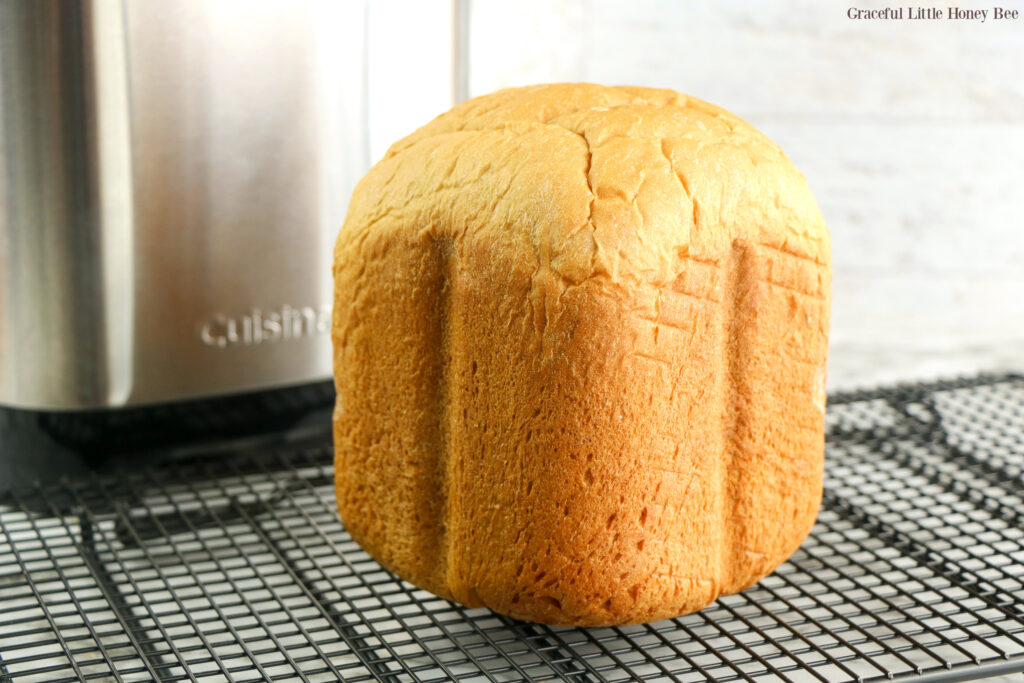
{"points": [[172, 176]]}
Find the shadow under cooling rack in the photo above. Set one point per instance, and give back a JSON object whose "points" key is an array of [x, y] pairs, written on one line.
{"points": [[236, 567]]}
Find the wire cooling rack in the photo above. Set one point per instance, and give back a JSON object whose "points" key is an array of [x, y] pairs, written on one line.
{"points": [[235, 566]]}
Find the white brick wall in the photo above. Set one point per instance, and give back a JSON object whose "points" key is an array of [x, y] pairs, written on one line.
{"points": [[910, 133]]}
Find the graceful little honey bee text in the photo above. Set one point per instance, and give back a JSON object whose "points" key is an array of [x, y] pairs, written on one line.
{"points": [[916, 13]]}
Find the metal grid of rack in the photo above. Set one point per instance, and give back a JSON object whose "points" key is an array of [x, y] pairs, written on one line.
{"points": [[236, 567]]}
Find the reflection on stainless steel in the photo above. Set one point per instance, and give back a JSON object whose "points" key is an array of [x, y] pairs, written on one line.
{"points": [[167, 168]]}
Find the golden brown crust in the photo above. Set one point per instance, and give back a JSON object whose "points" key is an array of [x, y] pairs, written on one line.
{"points": [[580, 338]]}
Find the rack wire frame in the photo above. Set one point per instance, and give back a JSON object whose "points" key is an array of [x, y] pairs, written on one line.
{"points": [[237, 568]]}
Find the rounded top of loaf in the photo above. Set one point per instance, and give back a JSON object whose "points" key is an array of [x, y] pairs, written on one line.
{"points": [[592, 181]]}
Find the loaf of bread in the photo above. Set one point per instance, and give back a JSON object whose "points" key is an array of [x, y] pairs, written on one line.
{"points": [[579, 346]]}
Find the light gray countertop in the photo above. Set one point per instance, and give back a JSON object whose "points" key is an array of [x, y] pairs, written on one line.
{"points": [[869, 366]]}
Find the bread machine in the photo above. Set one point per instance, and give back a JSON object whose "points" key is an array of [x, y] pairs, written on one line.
{"points": [[172, 176]]}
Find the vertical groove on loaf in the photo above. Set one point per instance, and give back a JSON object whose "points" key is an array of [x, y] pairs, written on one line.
{"points": [[734, 345], [442, 405]]}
